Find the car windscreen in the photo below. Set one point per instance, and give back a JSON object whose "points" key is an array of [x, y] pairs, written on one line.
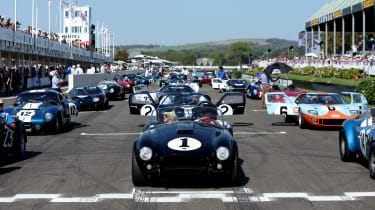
{"points": [[323, 99], [40, 97], [142, 88], [177, 89], [182, 99], [85, 91], [207, 115]]}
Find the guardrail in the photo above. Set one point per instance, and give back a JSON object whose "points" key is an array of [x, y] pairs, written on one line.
{"points": [[20, 42]]}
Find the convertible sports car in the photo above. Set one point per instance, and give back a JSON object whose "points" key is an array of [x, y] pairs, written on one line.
{"points": [[141, 80], [168, 89], [125, 82], [12, 141], [315, 109], [130, 77], [43, 110], [207, 77], [185, 141], [237, 85], [89, 97], [357, 137], [112, 89]]}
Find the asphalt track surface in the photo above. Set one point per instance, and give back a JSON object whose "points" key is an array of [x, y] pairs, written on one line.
{"points": [[89, 167]]}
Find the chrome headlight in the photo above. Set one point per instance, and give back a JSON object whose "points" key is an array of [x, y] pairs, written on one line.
{"points": [[128, 86], [354, 112], [145, 153], [104, 87], [48, 116], [313, 112], [111, 90], [96, 99], [222, 153], [255, 92]]}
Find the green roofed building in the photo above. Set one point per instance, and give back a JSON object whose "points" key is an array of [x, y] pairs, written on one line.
{"points": [[341, 26]]}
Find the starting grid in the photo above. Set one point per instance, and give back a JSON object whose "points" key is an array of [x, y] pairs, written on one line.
{"points": [[241, 195]]}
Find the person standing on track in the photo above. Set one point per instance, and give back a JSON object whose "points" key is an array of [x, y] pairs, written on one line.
{"points": [[222, 75], [266, 81], [57, 82]]}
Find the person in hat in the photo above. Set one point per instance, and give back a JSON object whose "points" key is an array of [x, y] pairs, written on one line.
{"points": [[6, 116]]}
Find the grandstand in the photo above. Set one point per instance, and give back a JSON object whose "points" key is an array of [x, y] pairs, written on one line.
{"points": [[341, 26]]}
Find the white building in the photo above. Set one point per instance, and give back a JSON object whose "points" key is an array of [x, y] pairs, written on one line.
{"points": [[77, 25]]}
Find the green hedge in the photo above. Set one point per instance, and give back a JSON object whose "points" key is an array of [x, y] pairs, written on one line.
{"points": [[367, 88]]}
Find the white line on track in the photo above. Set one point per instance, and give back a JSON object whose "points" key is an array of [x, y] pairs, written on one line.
{"points": [[263, 110], [149, 196], [9, 98]]}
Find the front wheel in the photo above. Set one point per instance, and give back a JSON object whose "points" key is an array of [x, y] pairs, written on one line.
{"points": [[301, 121], [345, 154], [233, 173], [19, 147], [137, 176], [372, 161]]}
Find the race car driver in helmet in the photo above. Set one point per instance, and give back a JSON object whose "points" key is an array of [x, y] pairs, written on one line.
{"points": [[8, 119]]}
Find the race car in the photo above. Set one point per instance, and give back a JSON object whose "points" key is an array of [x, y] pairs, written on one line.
{"points": [[254, 91], [229, 103], [314, 109], [166, 79], [113, 90], [43, 110], [197, 80], [126, 83], [141, 80], [188, 140], [130, 77], [89, 97], [357, 138], [218, 83], [237, 85], [12, 141], [168, 89], [207, 77]]}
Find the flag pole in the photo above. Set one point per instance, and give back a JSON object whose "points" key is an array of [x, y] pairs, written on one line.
{"points": [[60, 16], [49, 19], [15, 15], [32, 18], [113, 51]]}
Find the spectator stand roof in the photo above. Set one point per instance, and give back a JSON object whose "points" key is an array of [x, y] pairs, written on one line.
{"points": [[335, 9]]}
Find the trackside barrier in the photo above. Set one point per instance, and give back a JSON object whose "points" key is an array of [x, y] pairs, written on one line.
{"points": [[94, 79]]}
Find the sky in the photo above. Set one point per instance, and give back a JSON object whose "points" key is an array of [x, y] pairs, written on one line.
{"points": [[176, 22]]}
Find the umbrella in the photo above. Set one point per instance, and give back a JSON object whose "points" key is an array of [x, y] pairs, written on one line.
{"points": [[278, 68]]}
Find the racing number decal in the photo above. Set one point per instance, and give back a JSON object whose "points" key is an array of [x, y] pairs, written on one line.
{"points": [[184, 144], [146, 110], [364, 138], [26, 114], [226, 109], [8, 142]]}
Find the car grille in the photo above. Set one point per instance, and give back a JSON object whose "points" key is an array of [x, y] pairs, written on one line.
{"points": [[332, 122], [184, 165]]}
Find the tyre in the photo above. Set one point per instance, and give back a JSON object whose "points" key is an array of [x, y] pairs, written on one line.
{"points": [[106, 104], [301, 121], [123, 96], [372, 161], [233, 173], [57, 125], [19, 146], [137, 176], [345, 154]]}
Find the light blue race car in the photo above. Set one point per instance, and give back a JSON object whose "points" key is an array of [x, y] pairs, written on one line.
{"points": [[357, 138], [316, 109]]}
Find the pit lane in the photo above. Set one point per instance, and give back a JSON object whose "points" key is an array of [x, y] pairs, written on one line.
{"points": [[295, 169]]}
